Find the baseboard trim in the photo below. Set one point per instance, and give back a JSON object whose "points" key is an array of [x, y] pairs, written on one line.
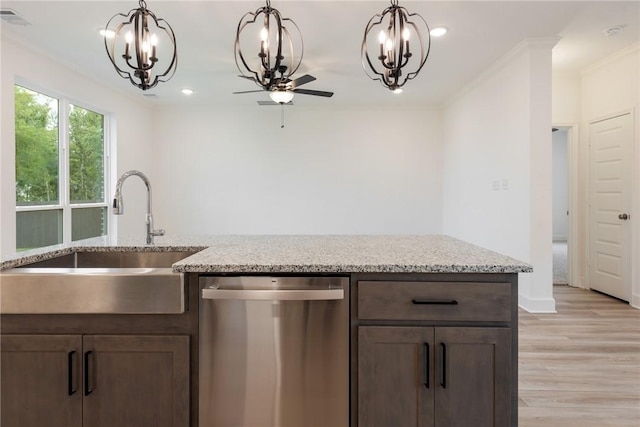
{"points": [[537, 305], [635, 301]]}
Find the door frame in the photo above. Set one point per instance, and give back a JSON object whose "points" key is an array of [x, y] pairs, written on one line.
{"points": [[635, 243], [574, 268]]}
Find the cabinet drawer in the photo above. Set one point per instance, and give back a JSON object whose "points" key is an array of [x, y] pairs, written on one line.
{"points": [[380, 300]]}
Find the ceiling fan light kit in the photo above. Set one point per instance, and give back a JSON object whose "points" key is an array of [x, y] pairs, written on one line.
{"points": [[281, 96], [142, 48], [276, 61], [395, 46]]}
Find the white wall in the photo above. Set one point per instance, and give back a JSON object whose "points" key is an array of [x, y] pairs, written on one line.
{"points": [[610, 87], [566, 98], [497, 169], [560, 182], [134, 127], [327, 171]]}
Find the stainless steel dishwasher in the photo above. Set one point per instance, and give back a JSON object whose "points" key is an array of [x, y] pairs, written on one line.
{"points": [[274, 351]]}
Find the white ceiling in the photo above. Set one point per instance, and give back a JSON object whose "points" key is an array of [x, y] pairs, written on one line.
{"points": [[480, 32]]}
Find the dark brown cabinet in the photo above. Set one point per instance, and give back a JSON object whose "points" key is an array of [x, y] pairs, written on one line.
{"points": [[95, 380], [395, 377], [435, 354], [39, 382], [473, 377]]}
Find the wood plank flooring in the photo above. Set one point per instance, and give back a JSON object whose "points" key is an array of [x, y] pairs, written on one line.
{"points": [[581, 366]]}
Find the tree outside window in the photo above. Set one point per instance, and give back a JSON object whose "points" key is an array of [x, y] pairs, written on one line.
{"points": [[60, 194]]}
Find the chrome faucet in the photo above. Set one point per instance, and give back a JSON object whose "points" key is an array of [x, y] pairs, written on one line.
{"points": [[118, 206]]}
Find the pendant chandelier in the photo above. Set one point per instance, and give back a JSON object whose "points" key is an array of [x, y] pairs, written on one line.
{"points": [[146, 46], [278, 40], [395, 41]]}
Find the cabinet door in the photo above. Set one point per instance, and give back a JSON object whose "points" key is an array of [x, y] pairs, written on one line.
{"points": [[40, 378], [136, 381], [474, 377], [395, 377]]}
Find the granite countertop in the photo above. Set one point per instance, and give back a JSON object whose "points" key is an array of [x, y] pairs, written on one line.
{"points": [[304, 254]]}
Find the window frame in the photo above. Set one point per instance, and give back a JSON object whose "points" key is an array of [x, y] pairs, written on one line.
{"points": [[64, 191]]}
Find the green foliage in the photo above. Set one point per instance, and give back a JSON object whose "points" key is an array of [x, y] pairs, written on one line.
{"points": [[36, 148], [36, 119], [85, 155]]}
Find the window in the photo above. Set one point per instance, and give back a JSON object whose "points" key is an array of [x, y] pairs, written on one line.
{"points": [[60, 170]]}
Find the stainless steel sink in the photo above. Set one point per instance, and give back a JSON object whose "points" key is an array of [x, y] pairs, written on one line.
{"points": [[120, 282]]}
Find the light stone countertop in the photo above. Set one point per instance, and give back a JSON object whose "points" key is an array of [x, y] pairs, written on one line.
{"points": [[304, 254]]}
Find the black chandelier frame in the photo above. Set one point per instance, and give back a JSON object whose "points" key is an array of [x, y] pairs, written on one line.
{"points": [[139, 54], [395, 53], [275, 69]]}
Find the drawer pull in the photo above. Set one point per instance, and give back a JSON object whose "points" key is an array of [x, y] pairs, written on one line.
{"points": [[87, 388], [434, 301], [426, 365], [71, 390], [443, 365]]}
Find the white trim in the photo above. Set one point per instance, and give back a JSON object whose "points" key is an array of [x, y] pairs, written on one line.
{"points": [[516, 51], [64, 194], [63, 168], [574, 268], [537, 305], [609, 59], [635, 301]]}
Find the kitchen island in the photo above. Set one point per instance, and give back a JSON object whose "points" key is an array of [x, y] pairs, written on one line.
{"points": [[432, 319]]}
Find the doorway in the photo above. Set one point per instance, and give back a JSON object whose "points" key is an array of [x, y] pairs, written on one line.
{"points": [[560, 204]]}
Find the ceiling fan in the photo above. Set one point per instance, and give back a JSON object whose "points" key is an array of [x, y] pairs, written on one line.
{"points": [[282, 89]]}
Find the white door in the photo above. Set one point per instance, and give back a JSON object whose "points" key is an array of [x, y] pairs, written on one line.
{"points": [[610, 206]]}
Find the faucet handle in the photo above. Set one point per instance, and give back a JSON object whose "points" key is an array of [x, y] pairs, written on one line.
{"points": [[158, 232]]}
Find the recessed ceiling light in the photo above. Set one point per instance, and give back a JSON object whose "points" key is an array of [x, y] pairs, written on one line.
{"points": [[187, 91], [107, 33], [438, 32]]}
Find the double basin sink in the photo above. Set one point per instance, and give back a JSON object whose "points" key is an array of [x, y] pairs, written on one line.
{"points": [[118, 282]]}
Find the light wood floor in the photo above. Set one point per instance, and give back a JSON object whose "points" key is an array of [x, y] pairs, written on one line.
{"points": [[581, 366]]}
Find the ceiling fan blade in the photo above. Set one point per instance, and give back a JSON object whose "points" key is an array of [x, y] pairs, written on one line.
{"points": [[301, 81], [313, 92], [273, 103], [248, 91]]}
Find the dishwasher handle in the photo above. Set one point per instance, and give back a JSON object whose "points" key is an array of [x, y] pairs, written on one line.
{"points": [[273, 294]]}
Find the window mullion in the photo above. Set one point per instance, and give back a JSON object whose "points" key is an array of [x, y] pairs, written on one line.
{"points": [[64, 170]]}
